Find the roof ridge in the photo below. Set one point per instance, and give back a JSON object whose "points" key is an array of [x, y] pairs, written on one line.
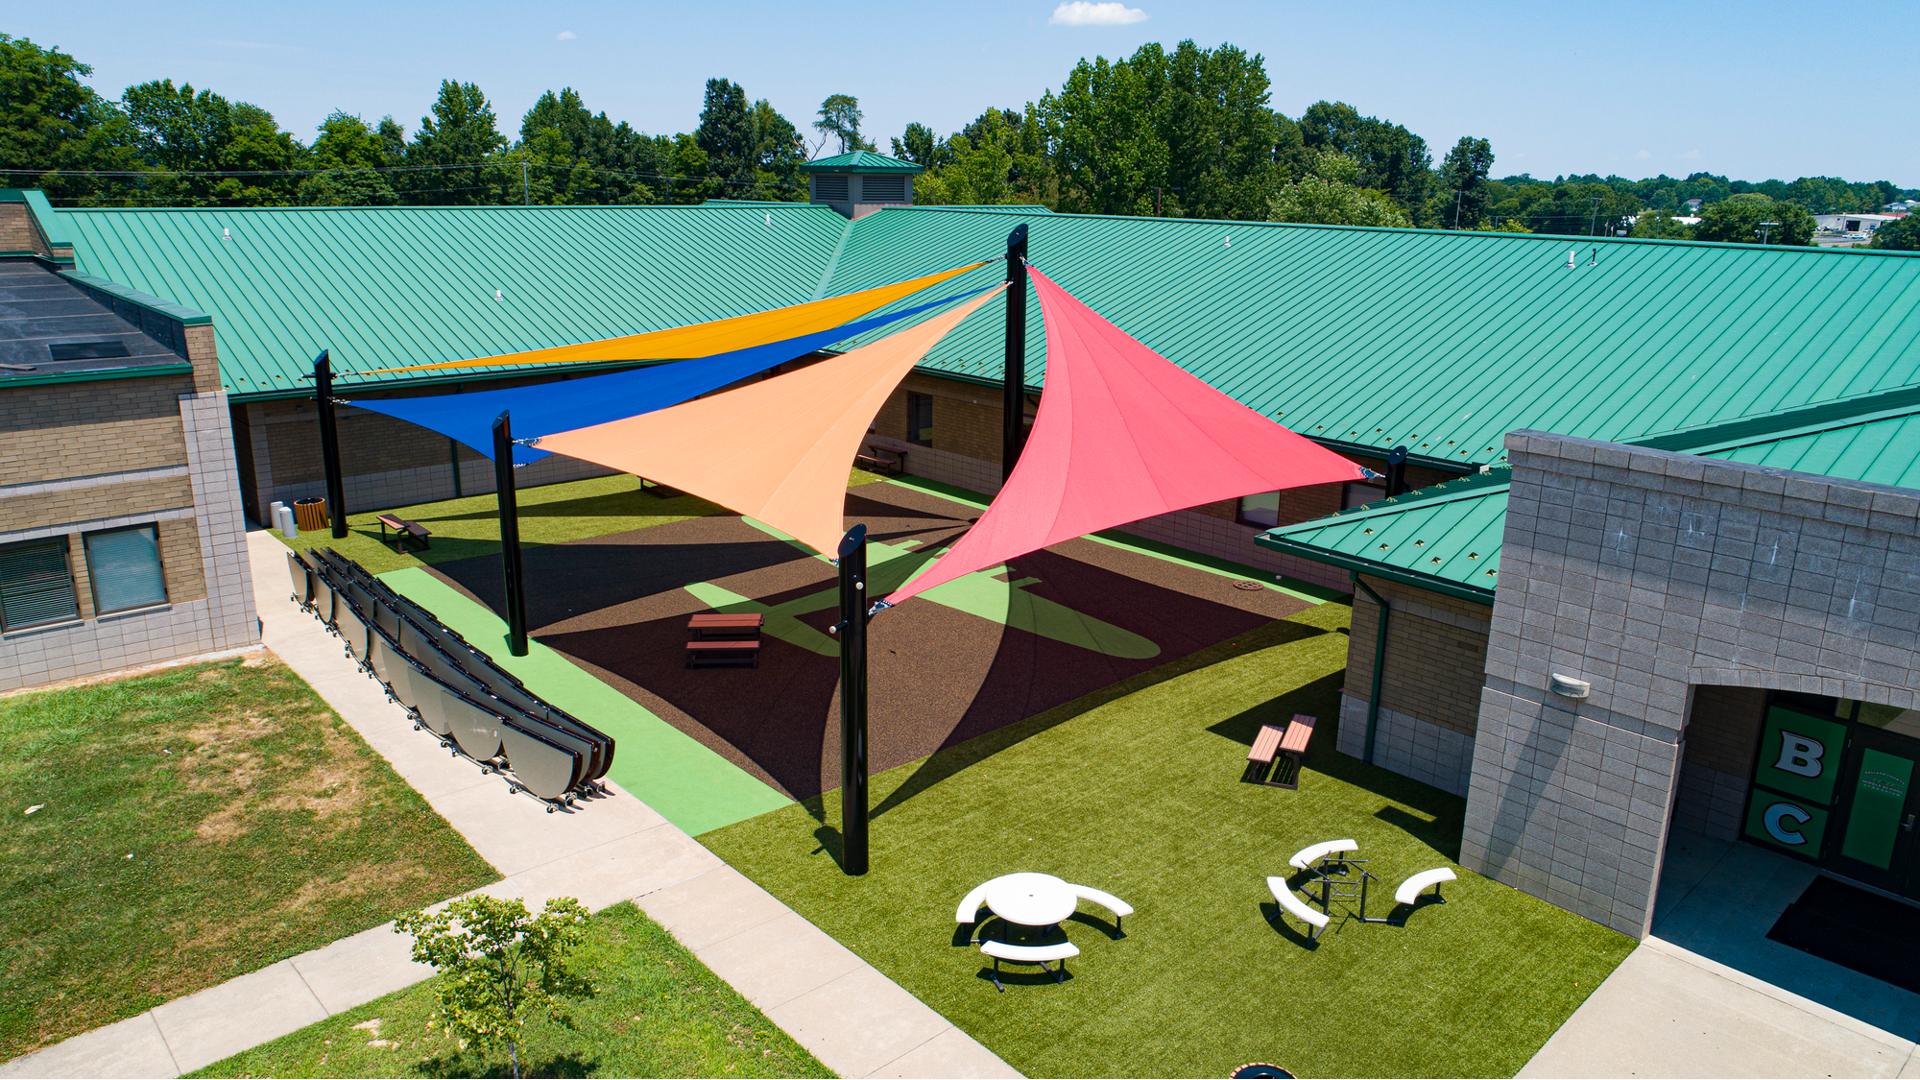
{"points": [[1472, 485]]}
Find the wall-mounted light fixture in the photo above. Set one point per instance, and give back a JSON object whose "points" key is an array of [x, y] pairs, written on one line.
{"points": [[1569, 687]]}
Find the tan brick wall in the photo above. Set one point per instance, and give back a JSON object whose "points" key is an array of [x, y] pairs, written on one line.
{"points": [[42, 509], [369, 442], [1436, 656], [1723, 728], [16, 229], [202, 350], [91, 428], [180, 556]]}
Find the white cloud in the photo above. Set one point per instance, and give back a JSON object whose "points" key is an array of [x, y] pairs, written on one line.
{"points": [[1642, 154], [1691, 155], [1090, 13], [565, 35]]}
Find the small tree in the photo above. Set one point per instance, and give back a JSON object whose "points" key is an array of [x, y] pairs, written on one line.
{"points": [[500, 965]]}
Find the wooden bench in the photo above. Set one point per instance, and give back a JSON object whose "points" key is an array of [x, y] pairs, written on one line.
{"points": [[1293, 747], [1030, 954], [1260, 759], [723, 653], [714, 626], [880, 459], [403, 529]]}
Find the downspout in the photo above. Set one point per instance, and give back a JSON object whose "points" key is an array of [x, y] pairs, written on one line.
{"points": [[1379, 664]]}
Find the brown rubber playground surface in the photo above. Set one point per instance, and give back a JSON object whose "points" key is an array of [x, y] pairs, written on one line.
{"points": [[618, 606]]}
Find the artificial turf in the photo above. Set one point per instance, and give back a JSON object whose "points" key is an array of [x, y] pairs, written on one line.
{"points": [[658, 1011], [1136, 790], [189, 826]]}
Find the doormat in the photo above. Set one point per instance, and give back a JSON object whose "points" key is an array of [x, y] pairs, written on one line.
{"points": [[1855, 929]]}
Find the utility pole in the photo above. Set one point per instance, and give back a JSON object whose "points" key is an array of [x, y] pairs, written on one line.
{"points": [[512, 571], [526, 199], [1457, 196], [1593, 219], [330, 444], [1765, 229], [853, 701], [1013, 403]]}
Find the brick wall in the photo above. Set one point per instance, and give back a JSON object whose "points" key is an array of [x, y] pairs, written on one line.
{"points": [[90, 428], [1648, 574], [16, 229]]}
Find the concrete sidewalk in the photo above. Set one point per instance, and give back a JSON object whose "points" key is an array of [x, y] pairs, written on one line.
{"points": [[854, 1019]]}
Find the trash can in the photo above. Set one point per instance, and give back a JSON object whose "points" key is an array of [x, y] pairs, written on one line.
{"points": [[310, 513]]}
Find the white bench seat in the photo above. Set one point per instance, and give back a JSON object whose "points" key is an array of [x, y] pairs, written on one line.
{"points": [[1030, 954], [1409, 891], [1291, 903], [969, 909], [1313, 853], [1120, 908]]}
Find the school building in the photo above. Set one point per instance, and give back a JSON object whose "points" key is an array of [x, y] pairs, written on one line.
{"points": [[1648, 562]]}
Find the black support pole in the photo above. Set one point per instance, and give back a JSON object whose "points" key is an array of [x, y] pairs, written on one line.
{"points": [[1396, 471], [1014, 403], [512, 571], [330, 444], [853, 701]]}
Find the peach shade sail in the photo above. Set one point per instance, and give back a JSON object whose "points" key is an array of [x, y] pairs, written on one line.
{"points": [[777, 450], [709, 338]]}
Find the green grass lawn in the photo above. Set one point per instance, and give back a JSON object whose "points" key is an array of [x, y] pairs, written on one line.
{"points": [[1136, 790], [194, 824], [658, 1012], [552, 514]]}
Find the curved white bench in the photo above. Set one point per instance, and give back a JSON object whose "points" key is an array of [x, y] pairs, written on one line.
{"points": [[1409, 891], [1120, 908], [969, 909], [1029, 954], [1284, 895], [1313, 853]]}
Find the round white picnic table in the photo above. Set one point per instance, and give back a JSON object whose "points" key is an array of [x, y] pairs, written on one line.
{"points": [[1031, 899]]}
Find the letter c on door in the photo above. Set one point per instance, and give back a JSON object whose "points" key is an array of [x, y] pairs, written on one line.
{"points": [[1776, 817]]}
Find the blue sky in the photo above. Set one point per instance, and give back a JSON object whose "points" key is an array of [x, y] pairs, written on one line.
{"points": [[1748, 91]]}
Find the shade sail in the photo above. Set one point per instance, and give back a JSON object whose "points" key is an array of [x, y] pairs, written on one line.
{"points": [[573, 403], [776, 450], [1123, 433], [712, 338]]}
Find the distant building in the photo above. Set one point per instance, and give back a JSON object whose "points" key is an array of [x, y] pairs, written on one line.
{"points": [[1853, 224]]}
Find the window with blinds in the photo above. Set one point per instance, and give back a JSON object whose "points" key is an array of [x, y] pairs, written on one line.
{"points": [[36, 585], [125, 567]]}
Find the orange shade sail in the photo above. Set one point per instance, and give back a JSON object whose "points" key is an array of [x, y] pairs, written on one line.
{"points": [[709, 338], [777, 450]]}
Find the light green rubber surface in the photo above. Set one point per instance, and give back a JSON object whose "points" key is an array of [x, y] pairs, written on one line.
{"points": [[689, 785]]}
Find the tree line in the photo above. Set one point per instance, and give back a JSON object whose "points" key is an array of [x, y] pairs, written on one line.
{"points": [[1181, 132]]}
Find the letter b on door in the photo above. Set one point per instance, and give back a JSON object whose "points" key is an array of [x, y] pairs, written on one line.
{"points": [[1799, 755]]}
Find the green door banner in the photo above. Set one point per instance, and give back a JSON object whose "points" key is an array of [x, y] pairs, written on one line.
{"points": [[1879, 798], [1800, 755], [1793, 780]]}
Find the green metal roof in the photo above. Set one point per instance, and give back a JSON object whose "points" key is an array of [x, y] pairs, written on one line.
{"points": [[1443, 341], [1447, 537], [861, 161], [1364, 338], [384, 287]]}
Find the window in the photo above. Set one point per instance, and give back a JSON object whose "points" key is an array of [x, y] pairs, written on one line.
{"points": [[831, 187], [125, 567], [36, 585], [920, 419], [1262, 509], [1360, 492]]}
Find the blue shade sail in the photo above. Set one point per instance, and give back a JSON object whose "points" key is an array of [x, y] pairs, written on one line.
{"points": [[553, 407]]}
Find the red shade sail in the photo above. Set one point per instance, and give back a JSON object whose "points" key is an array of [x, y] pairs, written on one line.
{"points": [[1123, 434]]}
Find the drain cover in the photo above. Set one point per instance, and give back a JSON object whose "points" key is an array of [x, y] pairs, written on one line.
{"points": [[1248, 586]]}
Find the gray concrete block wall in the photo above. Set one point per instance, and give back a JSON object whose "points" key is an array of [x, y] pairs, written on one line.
{"points": [[1427, 752], [1646, 573], [232, 620]]}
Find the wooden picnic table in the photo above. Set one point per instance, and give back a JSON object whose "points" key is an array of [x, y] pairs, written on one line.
{"points": [[713, 625]]}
